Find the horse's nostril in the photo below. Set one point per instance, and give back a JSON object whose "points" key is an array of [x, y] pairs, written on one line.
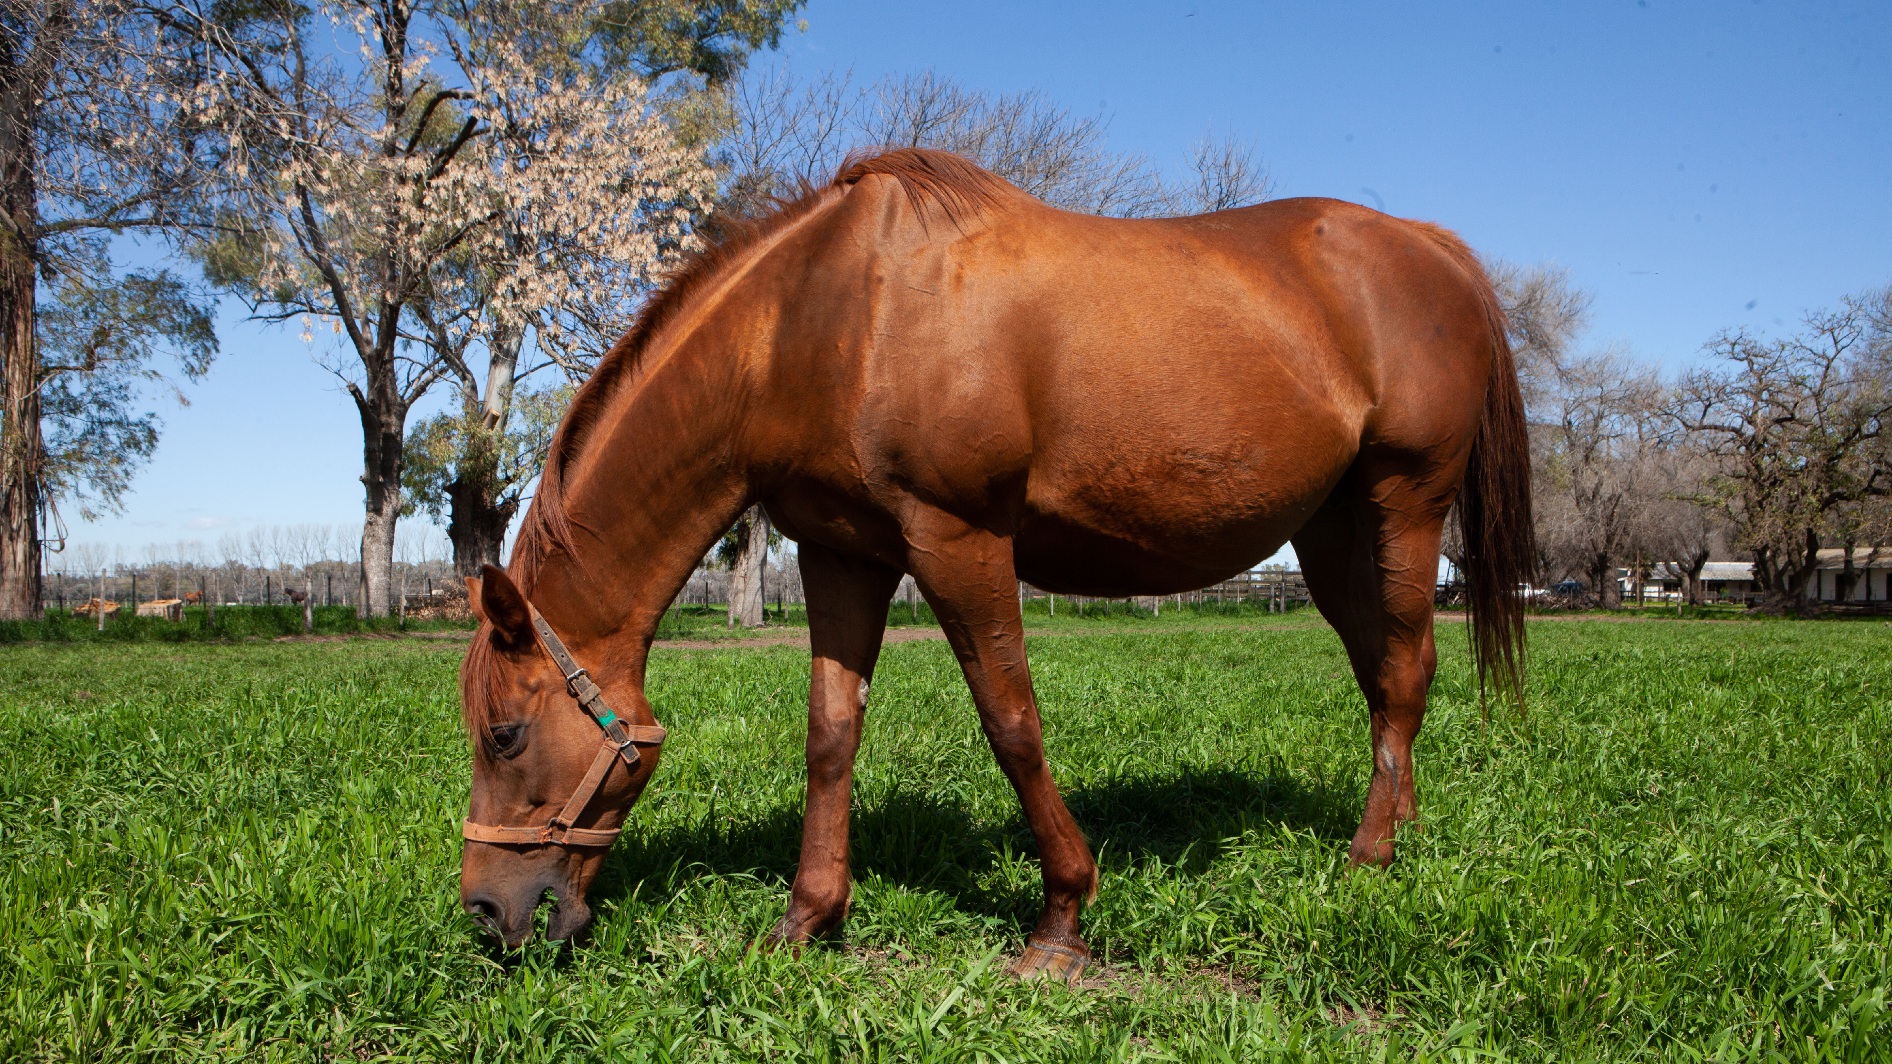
{"points": [[485, 912]]}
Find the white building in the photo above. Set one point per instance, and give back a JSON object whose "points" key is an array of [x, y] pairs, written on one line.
{"points": [[1734, 581]]}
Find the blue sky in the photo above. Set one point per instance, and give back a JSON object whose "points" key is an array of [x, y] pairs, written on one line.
{"points": [[1697, 166]]}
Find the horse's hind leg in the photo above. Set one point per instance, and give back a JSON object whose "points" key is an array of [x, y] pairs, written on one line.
{"points": [[847, 615], [1371, 559], [967, 576]]}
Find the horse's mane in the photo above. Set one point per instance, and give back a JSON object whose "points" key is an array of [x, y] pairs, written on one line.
{"points": [[933, 181]]}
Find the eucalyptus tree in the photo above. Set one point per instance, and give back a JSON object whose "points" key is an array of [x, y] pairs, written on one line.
{"points": [[98, 138]]}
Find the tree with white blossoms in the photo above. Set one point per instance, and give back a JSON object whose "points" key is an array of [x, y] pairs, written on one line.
{"points": [[562, 271], [459, 158], [96, 140]]}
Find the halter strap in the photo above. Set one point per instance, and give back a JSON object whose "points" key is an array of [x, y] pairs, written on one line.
{"points": [[620, 744]]}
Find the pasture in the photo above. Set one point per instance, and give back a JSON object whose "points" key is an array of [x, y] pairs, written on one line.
{"points": [[1684, 851]]}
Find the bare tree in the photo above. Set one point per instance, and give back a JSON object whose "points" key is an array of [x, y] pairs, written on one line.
{"points": [[1545, 312], [788, 132], [1223, 174], [1678, 529], [1798, 425], [1595, 433]]}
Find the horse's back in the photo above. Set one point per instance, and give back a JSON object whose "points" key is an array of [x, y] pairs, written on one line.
{"points": [[1151, 404]]}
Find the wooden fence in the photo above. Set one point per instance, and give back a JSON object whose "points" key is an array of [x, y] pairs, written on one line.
{"points": [[1279, 589]]}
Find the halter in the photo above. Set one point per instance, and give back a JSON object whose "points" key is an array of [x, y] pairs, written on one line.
{"points": [[620, 743]]}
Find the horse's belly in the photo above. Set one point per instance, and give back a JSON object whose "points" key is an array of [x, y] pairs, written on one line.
{"points": [[1158, 521]]}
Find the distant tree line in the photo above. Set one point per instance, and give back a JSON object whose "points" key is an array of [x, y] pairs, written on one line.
{"points": [[263, 565], [1767, 450]]}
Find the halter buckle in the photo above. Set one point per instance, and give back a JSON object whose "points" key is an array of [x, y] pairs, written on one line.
{"points": [[571, 682]]}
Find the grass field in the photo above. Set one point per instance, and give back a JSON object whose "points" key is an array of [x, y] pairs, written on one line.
{"points": [[249, 851]]}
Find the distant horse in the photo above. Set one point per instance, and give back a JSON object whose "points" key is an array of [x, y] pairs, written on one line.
{"points": [[296, 595], [193, 598], [920, 369]]}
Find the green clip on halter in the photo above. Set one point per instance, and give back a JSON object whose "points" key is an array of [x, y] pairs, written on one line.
{"points": [[620, 743]]}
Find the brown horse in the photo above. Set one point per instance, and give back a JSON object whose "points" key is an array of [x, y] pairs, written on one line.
{"points": [[920, 369]]}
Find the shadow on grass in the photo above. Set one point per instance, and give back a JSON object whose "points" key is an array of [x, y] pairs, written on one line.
{"points": [[936, 844]]}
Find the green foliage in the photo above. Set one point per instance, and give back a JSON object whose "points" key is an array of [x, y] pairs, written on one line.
{"points": [[456, 448], [250, 851], [104, 340], [711, 38]]}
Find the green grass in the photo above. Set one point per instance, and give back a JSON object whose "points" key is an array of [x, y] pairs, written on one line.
{"points": [[249, 851], [230, 623]]}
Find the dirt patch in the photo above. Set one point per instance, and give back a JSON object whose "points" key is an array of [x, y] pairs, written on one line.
{"points": [[1364, 1019]]}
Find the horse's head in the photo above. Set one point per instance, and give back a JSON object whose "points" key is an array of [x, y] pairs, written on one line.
{"points": [[535, 747]]}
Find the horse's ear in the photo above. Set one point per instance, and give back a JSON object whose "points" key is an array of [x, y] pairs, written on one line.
{"points": [[499, 602], [473, 598]]}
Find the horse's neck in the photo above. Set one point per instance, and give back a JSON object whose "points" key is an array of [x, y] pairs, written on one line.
{"points": [[652, 488]]}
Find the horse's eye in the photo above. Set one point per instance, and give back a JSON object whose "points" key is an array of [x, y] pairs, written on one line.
{"points": [[509, 739]]}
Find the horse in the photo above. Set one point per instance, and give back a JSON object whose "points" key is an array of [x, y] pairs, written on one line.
{"points": [[917, 368]]}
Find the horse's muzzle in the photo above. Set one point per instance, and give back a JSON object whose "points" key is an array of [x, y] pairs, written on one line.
{"points": [[511, 921]]}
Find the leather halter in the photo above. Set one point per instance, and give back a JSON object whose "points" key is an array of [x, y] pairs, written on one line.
{"points": [[620, 744]]}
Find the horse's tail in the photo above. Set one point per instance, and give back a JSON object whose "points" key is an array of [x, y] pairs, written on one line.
{"points": [[1494, 502]]}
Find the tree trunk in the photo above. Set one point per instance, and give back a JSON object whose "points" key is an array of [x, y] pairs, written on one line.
{"points": [[381, 476], [1609, 595], [476, 521], [21, 448], [745, 577], [20, 445], [1847, 579], [1783, 578], [1696, 563]]}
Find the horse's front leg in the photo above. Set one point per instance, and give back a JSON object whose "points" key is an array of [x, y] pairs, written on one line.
{"points": [[847, 615], [968, 577]]}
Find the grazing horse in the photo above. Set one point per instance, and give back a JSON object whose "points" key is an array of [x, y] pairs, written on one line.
{"points": [[918, 368]]}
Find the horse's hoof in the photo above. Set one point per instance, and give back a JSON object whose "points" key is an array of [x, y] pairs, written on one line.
{"points": [[1045, 960], [1371, 855], [795, 934]]}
